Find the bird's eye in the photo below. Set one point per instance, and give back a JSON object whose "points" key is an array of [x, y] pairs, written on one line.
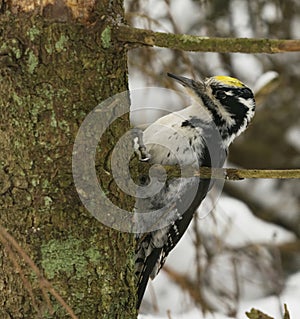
{"points": [[247, 93], [221, 95]]}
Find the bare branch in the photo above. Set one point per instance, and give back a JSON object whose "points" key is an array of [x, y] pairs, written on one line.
{"points": [[7, 240], [185, 42], [238, 174], [19, 271], [232, 174]]}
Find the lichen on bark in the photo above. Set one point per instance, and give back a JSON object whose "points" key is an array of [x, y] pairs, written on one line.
{"points": [[52, 74]]}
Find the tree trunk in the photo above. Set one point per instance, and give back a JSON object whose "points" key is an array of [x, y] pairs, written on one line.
{"points": [[57, 64]]}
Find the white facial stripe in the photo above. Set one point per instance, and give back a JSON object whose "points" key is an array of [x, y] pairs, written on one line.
{"points": [[248, 102], [220, 108], [224, 113]]}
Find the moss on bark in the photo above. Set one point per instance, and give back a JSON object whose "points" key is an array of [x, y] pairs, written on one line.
{"points": [[52, 74]]}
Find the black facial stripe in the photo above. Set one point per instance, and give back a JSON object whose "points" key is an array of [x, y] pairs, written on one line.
{"points": [[219, 121], [231, 103], [236, 108], [246, 94], [243, 92]]}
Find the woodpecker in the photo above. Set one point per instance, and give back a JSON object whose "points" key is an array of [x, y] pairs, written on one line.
{"points": [[198, 135]]}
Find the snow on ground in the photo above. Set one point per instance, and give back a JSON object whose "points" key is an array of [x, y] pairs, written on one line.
{"points": [[271, 305], [235, 224], [283, 201], [193, 314], [244, 228]]}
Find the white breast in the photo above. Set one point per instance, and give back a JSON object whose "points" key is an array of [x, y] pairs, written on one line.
{"points": [[168, 142]]}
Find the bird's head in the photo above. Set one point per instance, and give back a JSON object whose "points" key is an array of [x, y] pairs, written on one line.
{"points": [[230, 102]]}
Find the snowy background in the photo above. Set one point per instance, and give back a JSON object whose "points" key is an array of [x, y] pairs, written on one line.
{"points": [[245, 254]]}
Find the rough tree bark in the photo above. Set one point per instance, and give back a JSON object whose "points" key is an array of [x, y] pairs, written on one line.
{"points": [[57, 63]]}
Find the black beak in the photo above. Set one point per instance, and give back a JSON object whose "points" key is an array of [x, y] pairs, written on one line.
{"points": [[197, 86], [182, 80]]}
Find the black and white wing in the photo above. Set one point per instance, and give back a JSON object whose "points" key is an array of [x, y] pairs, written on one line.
{"points": [[170, 141]]}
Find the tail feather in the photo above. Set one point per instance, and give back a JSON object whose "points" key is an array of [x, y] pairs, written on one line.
{"points": [[145, 272]]}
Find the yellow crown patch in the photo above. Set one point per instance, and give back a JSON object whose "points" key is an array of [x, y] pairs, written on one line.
{"points": [[227, 80]]}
